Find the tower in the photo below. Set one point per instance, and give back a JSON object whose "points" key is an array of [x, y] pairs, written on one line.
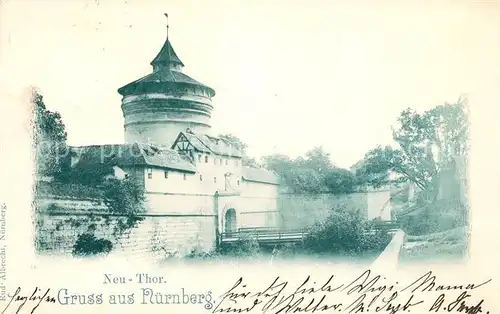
{"points": [[159, 105]]}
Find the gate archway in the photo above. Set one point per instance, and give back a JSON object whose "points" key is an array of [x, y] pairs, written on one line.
{"points": [[230, 220]]}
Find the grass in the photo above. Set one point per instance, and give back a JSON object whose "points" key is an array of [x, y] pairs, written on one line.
{"points": [[448, 235], [447, 245]]}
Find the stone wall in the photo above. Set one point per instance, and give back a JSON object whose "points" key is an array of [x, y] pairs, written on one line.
{"points": [[180, 231], [59, 223], [302, 211], [156, 236]]}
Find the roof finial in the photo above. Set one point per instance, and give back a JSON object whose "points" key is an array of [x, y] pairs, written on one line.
{"points": [[166, 15]]}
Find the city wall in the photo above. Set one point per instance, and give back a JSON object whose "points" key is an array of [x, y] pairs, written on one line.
{"points": [[172, 232]]}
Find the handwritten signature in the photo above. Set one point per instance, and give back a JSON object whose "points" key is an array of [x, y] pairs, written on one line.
{"points": [[369, 291], [36, 297]]}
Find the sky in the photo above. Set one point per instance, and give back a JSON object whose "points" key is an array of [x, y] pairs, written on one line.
{"points": [[288, 75]]}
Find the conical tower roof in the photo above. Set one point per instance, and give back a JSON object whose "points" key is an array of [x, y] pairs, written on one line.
{"points": [[167, 71], [166, 56]]}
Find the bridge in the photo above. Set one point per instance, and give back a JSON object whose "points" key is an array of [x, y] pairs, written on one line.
{"points": [[274, 236], [269, 236]]}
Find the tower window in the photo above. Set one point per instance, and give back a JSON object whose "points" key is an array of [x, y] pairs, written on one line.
{"points": [[166, 174], [220, 161], [199, 158], [185, 177], [206, 159], [215, 161], [150, 173], [226, 162], [201, 177], [238, 182], [215, 179]]}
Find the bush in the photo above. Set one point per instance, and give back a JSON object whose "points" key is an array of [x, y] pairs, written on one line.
{"points": [[87, 244], [124, 196], [247, 246], [196, 254], [346, 233], [287, 250], [126, 223]]}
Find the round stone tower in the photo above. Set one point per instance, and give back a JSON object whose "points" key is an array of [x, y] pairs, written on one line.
{"points": [[160, 105]]}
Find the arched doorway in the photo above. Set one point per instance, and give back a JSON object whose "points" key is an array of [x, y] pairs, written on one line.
{"points": [[230, 220]]}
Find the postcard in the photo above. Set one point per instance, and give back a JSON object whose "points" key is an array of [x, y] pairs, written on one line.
{"points": [[249, 157]]}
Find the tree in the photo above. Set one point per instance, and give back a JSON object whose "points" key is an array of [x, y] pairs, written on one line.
{"points": [[300, 175], [49, 137], [242, 146], [313, 173], [427, 144], [306, 180], [374, 169], [319, 160], [340, 181], [48, 124], [279, 163]]}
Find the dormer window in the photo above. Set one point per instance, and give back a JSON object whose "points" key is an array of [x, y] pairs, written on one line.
{"points": [[150, 173], [199, 158]]}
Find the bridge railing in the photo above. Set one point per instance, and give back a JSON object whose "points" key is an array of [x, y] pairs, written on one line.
{"points": [[263, 234], [273, 234]]}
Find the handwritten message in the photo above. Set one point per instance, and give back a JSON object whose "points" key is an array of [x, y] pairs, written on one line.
{"points": [[366, 293]]}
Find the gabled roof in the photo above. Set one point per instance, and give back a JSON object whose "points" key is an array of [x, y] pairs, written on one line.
{"points": [[168, 158], [166, 55], [260, 175], [210, 144], [136, 154]]}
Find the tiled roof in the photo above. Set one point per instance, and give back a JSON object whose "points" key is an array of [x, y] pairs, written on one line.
{"points": [[259, 175], [100, 154], [196, 142], [214, 145], [167, 158], [166, 55], [158, 81], [135, 155]]}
